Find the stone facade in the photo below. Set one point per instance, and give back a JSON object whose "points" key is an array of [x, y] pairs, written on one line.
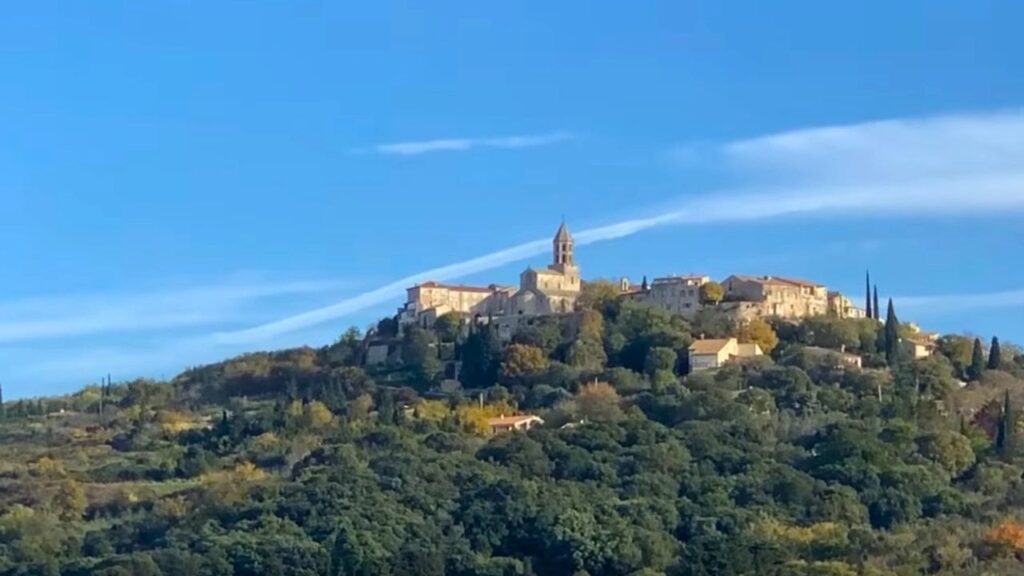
{"points": [[842, 307], [677, 294], [777, 296], [550, 290], [430, 300]]}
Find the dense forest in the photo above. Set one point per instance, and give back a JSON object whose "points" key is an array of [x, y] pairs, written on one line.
{"points": [[309, 462]]}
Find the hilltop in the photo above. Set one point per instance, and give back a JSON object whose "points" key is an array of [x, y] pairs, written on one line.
{"points": [[842, 448]]}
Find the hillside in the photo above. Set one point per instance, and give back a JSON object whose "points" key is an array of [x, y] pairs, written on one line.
{"points": [[309, 461]]}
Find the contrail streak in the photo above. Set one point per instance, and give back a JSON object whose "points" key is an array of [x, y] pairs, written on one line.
{"points": [[946, 196]]}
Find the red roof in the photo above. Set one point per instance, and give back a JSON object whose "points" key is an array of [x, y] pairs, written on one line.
{"points": [[459, 287], [502, 421], [780, 280]]}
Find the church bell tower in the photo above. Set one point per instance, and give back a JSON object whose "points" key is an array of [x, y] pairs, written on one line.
{"points": [[562, 249]]}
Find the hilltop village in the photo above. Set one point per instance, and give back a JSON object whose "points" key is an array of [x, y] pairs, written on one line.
{"points": [[556, 290], [677, 427]]}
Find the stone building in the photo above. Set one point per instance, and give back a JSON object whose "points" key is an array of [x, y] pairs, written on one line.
{"points": [[679, 294], [427, 301], [842, 307], [775, 296], [550, 290], [714, 353]]}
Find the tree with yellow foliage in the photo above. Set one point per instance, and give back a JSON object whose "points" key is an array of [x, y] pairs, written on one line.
{"points": [[232, 486], [317, 415], [757, 331], [522, 360], [475, 418], [69, 501], [598, 401], [47, 467]]}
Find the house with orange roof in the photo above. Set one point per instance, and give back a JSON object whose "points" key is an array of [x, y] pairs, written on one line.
{"points": [[715, 352], [516, 423]]}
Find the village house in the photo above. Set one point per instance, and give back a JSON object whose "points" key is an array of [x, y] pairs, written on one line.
{"points": [[920, 343], [775, 296], [519, 423], [842, 307], [714, 353], [679, 294]]}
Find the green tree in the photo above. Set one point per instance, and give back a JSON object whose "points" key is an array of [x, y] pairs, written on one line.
{"points": [[893, 348], [69, 501], [711, 293], [586, 354], [1006, 435], [600, 295], [522, 361], [977, 361], [480, 358], [660, 359], [448, 327], [419, 354], [958, 349], [867, 290], [995, 355]]}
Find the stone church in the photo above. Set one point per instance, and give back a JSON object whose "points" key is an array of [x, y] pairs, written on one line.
{"points": [[550, 290]]}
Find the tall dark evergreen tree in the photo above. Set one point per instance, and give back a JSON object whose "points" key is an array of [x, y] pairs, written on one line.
{"points": [[977, 365], [3, 409], [892, 335], [480, 355], [1005, 443], [878, 309], [867, 297], [995, 355]]}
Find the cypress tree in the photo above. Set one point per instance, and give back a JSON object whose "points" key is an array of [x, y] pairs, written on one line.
{"points": [[878, 309], [995, 355], [892, 335], [867, 297], [3, 409], [977, 361], [1005, 436]]}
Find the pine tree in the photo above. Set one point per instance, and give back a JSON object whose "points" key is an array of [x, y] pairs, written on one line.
{"points": [[878, 310], [892, 336], [977, 365], [995, 355], [867, 298]]}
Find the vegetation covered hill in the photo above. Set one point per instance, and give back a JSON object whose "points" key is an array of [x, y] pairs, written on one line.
{"points": [[306, 462]]}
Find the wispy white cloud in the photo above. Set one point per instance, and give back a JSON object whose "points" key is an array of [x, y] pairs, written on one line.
{"points": [[66, 316], [416, 148], [943, 165], [888, 150], [947, 165], [943, 304]]}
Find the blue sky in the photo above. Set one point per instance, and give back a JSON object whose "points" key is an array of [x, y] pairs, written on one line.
{"points": [[181, 183]]}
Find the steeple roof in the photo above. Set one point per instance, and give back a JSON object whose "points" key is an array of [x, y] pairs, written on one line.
{"points": [[563, 234]]}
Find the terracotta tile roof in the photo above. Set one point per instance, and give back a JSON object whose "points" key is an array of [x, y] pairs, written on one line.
{"points": [[501, 421], [709, 346], [779, 281], [461, 287]]}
